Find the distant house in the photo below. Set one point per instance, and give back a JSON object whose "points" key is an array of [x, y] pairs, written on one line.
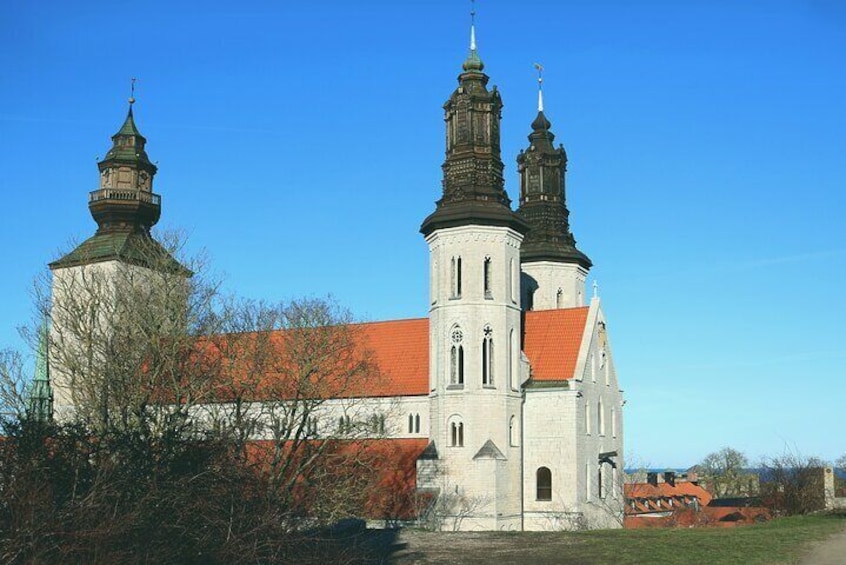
{"points": [[666, 500]]}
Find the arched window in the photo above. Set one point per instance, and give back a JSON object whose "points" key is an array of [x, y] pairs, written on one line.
{"points": [[486, 275], [456, 434], [456, 277], [513, 432], [544, 483], [417, 423], [600, 418], [559, 299], [487, 357], [377, 423], [411, 423], [456, 357]]}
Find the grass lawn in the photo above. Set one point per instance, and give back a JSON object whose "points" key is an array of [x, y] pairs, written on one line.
{"points": [[777, 542]]}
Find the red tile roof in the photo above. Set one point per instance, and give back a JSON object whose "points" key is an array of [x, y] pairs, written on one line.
{"points": [[666, 490], [552, 339], [400, 350]]}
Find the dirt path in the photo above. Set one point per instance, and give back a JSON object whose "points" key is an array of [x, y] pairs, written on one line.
{"points": [[831, 551]]}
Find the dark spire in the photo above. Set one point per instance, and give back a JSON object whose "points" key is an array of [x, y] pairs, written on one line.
{"points": [[125, 201], [473, 185], [543, 204]]}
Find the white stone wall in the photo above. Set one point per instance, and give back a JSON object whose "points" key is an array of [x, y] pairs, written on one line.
{"points": [[490, 487], [72, 289], [562, 434], [553, 285], [550, 420], [327, 416], [597, 383], [84, 303]]}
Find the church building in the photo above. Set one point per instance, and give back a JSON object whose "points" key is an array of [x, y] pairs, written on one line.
{"points": [[506, 395]]}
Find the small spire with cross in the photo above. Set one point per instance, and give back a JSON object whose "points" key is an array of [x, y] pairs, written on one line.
{"points": [[132, 92], [539, 68]]}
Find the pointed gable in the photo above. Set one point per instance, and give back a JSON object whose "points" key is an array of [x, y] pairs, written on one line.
{"points": [[552, 340]]}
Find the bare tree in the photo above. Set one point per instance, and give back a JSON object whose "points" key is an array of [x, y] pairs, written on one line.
{"points": [[724, 471], [188, 416], [13, 384], [124, 333], [793, 484]]}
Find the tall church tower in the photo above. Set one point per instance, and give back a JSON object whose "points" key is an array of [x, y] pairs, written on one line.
{"points": [[554, 270], [475, 319], [87, 280]]}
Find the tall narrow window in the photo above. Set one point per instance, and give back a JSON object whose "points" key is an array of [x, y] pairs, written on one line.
{"points": [[559, 299], [487, 277], [452, 274], [411, 423], [417, 423], [587, 418], [613, 422], [458, 279], [613, 487], [588, 480], [456, 357], [510, 360], [435, 280], [455, 277], [513, 278], [487, 357], [600, 418], [513, 432], [600, 482], [544, 483]]}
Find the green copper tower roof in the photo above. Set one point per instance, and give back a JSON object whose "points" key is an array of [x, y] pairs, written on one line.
{"points": [[40, 405], [124, 207]]}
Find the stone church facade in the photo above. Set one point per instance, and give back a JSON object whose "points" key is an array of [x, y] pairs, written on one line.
{"points": [[507, 392]]}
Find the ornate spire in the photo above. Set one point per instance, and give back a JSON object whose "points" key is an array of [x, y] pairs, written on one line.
{"points": [[473, 62], [539, 67], [125, 200], [473, 185], [542, 169], [41, 394]]}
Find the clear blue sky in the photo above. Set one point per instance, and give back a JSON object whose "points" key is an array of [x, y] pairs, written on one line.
{"points": [[300, 143]]}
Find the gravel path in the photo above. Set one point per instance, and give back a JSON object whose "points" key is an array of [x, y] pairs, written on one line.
{"points": [[831, 551]]}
